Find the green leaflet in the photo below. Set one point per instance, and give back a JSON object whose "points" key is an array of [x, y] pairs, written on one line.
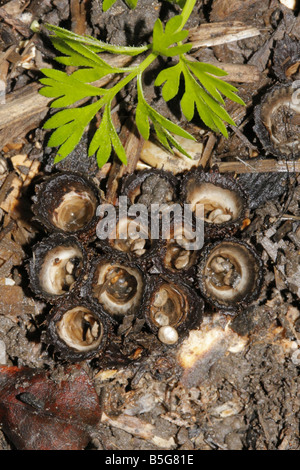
{"points": [[193, 99], [203, 95], [107, 4], [163, 40], [163, 127], [105, 139], [79, 55], [133, 3], [69, 127], [67, 89], [95, 44], [171, 79], [204, 72]]}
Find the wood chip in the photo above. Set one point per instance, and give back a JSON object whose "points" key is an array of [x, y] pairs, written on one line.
{"points": [[25, 171], [292, 4], [26, 168], [158, 157], [213, 34], [10, 192]]}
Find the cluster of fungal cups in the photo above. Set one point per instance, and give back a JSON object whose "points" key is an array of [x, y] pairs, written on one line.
{"points": [[94, 286]]}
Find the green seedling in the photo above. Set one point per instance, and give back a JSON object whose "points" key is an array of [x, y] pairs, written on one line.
{"points": [[203, 89]]}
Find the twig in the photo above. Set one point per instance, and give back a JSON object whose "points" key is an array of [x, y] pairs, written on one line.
{"points": [[260, 166], [207, 150], [239, 133]]}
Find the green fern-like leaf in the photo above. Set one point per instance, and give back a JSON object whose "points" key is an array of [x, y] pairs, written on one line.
{"points": [[106, 139], [202, 92], [163, 127], [77, 91]]}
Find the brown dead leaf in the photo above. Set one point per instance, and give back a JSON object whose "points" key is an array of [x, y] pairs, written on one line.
{"points": [[40, 412]]}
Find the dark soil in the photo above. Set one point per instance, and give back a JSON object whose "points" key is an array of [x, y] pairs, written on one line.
{"points": [[243, 390]]}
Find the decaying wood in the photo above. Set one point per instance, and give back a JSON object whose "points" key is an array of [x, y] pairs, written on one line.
{"points": [[261, 57], [213, 34], [259, 166], [156, 156], [241, 73], [292, 4], [23, 109]]}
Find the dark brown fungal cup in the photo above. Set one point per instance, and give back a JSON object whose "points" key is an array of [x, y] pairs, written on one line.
{"points": [[66, 203], [171, 308], [277, 121], [131, 239], [177, 251], [116, 285], [150, 187], [220, 199], [77, 330], [230, 274], [56, 267]]}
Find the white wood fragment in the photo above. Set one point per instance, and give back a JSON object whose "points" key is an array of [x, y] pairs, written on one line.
{"points": [[289, 4]]}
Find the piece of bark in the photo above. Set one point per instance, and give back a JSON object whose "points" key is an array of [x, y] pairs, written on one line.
{"points": [[225, 9], [15, 182], [260, 58], [241, 73], [213, 34], [22, 112], [9, 251], [15, 7]]}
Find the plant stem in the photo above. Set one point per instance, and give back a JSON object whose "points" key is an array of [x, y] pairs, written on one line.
{"points": [[186, 12], [137, 71]]}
